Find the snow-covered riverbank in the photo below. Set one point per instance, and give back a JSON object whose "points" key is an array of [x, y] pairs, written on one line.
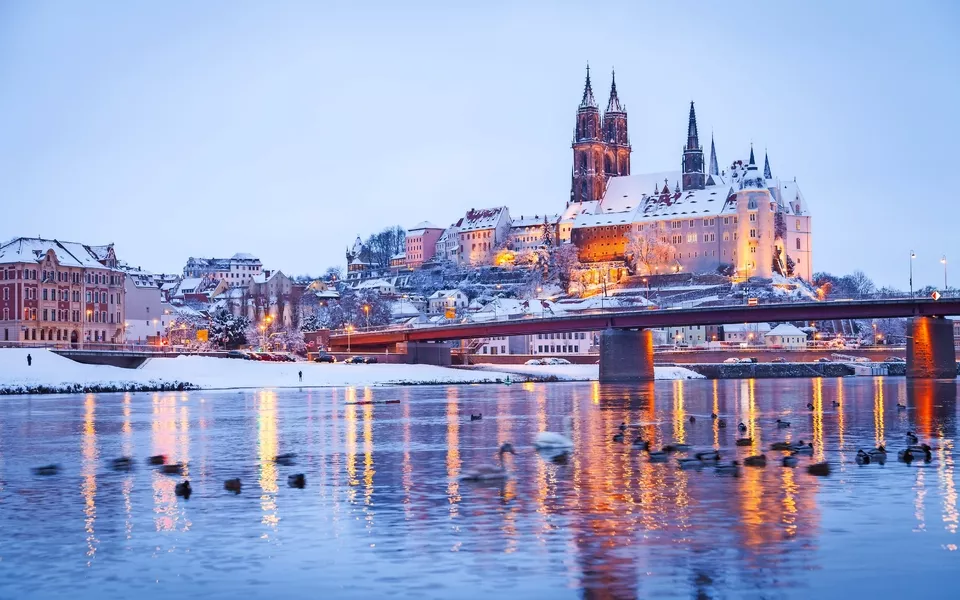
{"points": [[580, 372]]}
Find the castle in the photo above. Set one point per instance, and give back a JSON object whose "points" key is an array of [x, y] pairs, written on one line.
{"points": [[738, 220]]}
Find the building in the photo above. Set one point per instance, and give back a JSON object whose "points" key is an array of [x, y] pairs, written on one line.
{"points": [[533, 233], [956, 334], [237, 271], [448, 245], [147, 315], [576, 342], [786, 336], [271, 293], [380, 286], [421, 243], [689, 336], [752, 333], [480, 232], [441, 300], [697, 219], [53, 291]]}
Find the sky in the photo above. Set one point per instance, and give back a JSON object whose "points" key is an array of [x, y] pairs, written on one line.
{"points": [[285, 129]]}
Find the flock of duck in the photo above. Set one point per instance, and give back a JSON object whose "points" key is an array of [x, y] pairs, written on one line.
{"points": [[183, 488], [560, 445]]}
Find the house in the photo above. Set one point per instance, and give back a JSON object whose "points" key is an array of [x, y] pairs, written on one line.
{"points": [[532, 233], [742, 333], [147, 315], [442, 300], [690, 335], [381, 286], [480, 232], [237, 271], [421, 243], [785, 335]]}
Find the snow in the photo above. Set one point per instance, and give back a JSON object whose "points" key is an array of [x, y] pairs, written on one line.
{"points": [[786, 329], [582, 372], [244, 256], [31, 250], [52, 370]]}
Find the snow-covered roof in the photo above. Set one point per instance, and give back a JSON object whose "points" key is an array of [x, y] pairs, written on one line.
{"points": [[576, 208], [189, 285], [786, 329], [69, 254], [373, 283], [751, 328], [534, 221], [420, 227], [399, 256], [444, 294], [244, 256], [486, 218]]}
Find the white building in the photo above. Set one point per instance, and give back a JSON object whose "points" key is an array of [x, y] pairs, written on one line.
{"points": [[147, 314], [238, 270], [577, 342], [480, 232], [690, 336], [745, 333], [786, 335], [531, 233], [381, 286], [439, 301]]}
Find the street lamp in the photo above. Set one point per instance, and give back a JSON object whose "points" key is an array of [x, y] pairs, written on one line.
{"points": [[366, 310], [912, 256], [943, 260], [349, 331]]}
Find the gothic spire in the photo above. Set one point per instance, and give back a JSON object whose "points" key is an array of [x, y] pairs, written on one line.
{"points": [[614, 104], [692, 139], [753, 161], [766, 165], [714, 168], [587, 101]]}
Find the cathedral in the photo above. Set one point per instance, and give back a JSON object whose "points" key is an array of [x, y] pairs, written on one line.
{"points": [[739, 220]]}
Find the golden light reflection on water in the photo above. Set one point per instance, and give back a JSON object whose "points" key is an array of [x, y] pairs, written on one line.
{"points": [[267, 445], [679, 415], [878, 428], [368, 467], [407, 466], [350, 443], [841, 423], [126, 445], [716, 411], [818, 450], [947, 486], [509, 489], [918, 509], [89, 456], [164, 440], [453, 450], [789, 502]]}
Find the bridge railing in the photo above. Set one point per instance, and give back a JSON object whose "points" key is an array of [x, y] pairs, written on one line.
{"points": [[104, 347]]}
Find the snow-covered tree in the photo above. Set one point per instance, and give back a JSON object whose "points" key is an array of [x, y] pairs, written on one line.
{"points": [[227, 330], [648, 250], [563, 259]]}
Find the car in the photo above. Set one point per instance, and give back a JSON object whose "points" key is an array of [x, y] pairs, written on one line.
{"points": [[895, 359], [823, 359], [779, 359], [370, 360], [555, 361], [534, 361], [732, 360], [325, 357], [355, 360], [236, 354]]}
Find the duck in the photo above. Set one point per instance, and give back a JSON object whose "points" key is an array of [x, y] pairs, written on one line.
{"points": [[623, 427], [618, 437], [232, 485], [641, 444], [820, 469], [491, 472], [901, 406], [732, 469], [722, 423], [676, 448], [781, 424], [287, 459], [781, 446], [878, 454], [714, 416], [183, 489], [711, 457], [791, 460], [862, 457], [687, 464], [658, 457], [157, 459], [914, 452], [551, 439], [760, 460], [741, 427], [297, 480], [801, 448], [476, 417], [172, 469], [809, 406], [836, 404], [692, 419], [744, 441], [912, 438], [46, 470], [124, 463]]}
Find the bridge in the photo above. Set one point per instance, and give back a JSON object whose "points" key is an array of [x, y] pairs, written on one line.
{"points": [[626, 342]]}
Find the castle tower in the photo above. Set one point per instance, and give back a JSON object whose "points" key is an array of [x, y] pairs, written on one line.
{"points": [[616, 161], [588, 181], [693, 177]]}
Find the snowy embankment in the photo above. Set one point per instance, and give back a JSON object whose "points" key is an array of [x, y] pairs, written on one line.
{"points": [[581, 372], [52, 373]]}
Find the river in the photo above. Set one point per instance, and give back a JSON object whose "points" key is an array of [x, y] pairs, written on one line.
{"points": [[384, 514]]}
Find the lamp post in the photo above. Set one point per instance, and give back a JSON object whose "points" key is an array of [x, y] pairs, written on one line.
{"points": [[912, 256], [943, 260], [366, 312], [349, 331]]}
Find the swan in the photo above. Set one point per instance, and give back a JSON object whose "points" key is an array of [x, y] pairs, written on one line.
{"points": [[552, 439], [490, 472]]}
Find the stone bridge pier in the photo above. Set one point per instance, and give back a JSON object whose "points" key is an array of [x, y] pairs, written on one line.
{"points": [[626, 355], [930, 350]]}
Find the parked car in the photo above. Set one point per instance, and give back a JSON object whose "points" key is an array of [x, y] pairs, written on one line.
{"points": [[732, 360], [370, 360], [534, 361], [555, 361], [779, 359], [823, 359], [236, 354], [750, 359], [324, 357], [355, 360], [895, 359]]}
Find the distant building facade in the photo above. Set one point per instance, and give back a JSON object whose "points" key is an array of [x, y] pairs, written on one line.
{"points": [[421, 243], [237, 271]]}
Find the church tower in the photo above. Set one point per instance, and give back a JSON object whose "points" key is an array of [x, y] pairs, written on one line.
{"points": [[588, 179], [693, 178], [714, 167], [616, 160]]}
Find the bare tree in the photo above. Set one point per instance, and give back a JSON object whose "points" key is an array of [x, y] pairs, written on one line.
{"points": [[862, 285], [649, 249], [382, 246]]}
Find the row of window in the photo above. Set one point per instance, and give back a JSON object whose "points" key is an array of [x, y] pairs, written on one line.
{"points": [[558, 349], [576, 335]]}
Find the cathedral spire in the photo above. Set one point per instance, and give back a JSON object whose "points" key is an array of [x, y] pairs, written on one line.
{"points": [[692, 139], [753, 161], [614, 104], [714, 168], [766, 165], [588, 101]]}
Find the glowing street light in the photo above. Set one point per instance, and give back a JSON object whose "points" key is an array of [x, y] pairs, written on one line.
{"points": [[349, 331], [366, 310], [912, 256], [943, 261]]}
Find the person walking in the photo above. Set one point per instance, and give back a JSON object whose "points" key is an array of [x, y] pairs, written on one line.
{"points": [[301, 376], [29, 360]]}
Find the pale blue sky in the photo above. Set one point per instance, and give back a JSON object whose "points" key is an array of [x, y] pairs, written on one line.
{"points": [[287, 128]]}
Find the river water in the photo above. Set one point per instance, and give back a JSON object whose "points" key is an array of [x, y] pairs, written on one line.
{"points": [[383, 513]]}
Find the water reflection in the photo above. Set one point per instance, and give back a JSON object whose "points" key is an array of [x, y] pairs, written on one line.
{"points": [[604, 523]]}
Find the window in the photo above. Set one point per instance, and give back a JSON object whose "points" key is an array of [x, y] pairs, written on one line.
{"points": [[44, 293], [45, 314], [798, 224], [753, 217], [6, 314], [6, 293], [753, 233], [798, 243]]}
